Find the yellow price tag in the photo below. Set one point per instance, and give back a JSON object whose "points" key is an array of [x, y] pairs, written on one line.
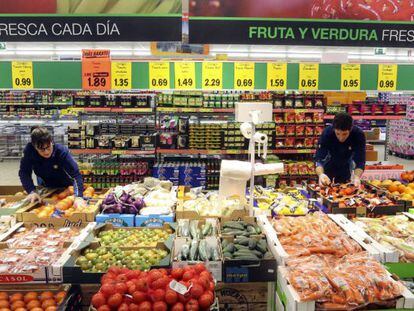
{"points": [[22, 75], [212, 76], [121, 75], [308, 77], [243, 76], [387, 77], [184, 75], [276, 76], [159, 75], [350, 77]]}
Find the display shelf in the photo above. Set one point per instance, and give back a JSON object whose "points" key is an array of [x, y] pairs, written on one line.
{"points": [[369, 117], [298, 110], [35, 104], [236, 151], [196, 110], [109, 109], [112, 151]]}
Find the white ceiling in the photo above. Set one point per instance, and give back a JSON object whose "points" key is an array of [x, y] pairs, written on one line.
{"points": [[132, 50]]}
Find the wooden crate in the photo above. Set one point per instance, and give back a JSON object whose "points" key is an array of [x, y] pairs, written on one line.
{"points": [[243, 296]]}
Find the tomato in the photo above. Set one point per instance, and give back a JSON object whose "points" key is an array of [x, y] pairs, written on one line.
{"points": [[25, 7], [115, 300], [192, 305], [205, 301], [123, 307], [131, 275], [155, 275], [139, 296], [158, 295], [171, 297], [196, 290], [133, 307], [188, 275], [122, 278], [114, 270], [104, 308], [159, 306], [121, 288], [145, 306], [207, 275], [132, 288], [177, 273], [178, 307], [141, 285], [199, 268], [204, 282], [98, 300], [107, 290]]}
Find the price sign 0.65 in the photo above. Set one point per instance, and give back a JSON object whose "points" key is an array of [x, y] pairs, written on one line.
{"points": [[159, 75], [276, 76], [244, 76], [308, 76], [387, 77], [350, 77], [184, 75], [22, 75]]}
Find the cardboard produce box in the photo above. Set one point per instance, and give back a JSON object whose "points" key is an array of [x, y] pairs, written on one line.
{"points": [[117, 220], [13, 204], [371, 155]]}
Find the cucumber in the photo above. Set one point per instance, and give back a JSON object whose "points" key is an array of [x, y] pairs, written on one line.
{"points": [[184, 224], [227, 255], [224, 243], [258, 230], [239, 247], [185, 252], [261, 246], [207, 228], [268, 255], [251, 229], [194, 250], [216, 256], [230, 248], [252, 243], [200, 234], [202, 250], [234, 225], [242, 240], [193, 229], [246, 257]]}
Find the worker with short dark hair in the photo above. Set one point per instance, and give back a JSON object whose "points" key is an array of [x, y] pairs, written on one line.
{"points": [[52, 163], [340, 156]]}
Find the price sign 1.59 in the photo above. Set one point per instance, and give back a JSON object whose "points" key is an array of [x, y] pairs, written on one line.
{"points": [[22, 75], [276, 76]]}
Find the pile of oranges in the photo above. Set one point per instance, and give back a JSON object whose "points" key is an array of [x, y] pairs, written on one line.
{"points": [[396, 188], [89, 192], [31, 301]]}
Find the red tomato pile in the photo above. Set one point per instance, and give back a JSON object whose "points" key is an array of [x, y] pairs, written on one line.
{"points": [[133, 290]]}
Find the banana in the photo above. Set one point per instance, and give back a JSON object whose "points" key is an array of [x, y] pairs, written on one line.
{"points": [[149, 7], [166, 6], [73, 5], [109, 6], [62, 6], [91, 6], [127, 6]]}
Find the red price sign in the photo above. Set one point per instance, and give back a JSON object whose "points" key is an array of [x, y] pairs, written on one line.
{"points": [[15, 278], [96, 70]]}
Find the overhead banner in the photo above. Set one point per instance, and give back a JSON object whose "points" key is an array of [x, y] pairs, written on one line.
{"points": [[90, 20], [303, 22]]}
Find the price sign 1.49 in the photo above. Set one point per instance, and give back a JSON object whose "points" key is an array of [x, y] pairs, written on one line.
{"points": [[308, 76], [184, 75], [22, 75]]}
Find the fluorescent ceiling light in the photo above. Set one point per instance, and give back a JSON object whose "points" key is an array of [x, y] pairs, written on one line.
{"points": [[142, 53], [34, 53], [121, 53], [303, 55], [7, 52], [267, 55], [69, 53]]}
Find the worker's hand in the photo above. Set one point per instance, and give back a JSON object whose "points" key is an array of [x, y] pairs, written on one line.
{"points": [[79, 203], [34, 198], [356, 181], [324, 180]]}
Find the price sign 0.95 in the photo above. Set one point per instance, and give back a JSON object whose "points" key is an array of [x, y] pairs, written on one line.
{"points": [[350, 77], [387, 77], [22, 75], [121, 75], [308, 77], [212, 76], [159, 75], [243, 76], [184, 75], [276, 76]]}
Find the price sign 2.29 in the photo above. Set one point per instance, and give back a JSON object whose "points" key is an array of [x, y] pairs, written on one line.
{"points": [[22, 75], [244, 76], [159, 75], [387, 77], [308, 76], [212, 75]]}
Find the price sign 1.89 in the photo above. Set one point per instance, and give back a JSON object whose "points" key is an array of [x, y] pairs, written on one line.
{"points": [[308, 76], [22, 75]]}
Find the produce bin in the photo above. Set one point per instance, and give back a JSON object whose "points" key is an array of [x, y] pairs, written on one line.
{"points": [[17, 203], [153, 220], [117, 220]]}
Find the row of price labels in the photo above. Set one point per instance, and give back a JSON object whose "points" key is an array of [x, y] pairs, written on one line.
{"points": [[212, 76]]}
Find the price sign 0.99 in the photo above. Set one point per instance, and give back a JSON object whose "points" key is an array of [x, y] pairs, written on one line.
{"points": [[308, 77], [212, 76], [243, 76], [276, 76], [159, 75], [387, 77], [96, 70], [350, 77], [121, 75], [184, 75], [22, 75]]}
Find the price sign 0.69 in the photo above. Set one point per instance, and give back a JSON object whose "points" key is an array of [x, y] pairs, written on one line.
{"points": [[276, 76], [308, 76], [22, 75], [244, 76], [387, 77], [350, 77], [159, 75]]}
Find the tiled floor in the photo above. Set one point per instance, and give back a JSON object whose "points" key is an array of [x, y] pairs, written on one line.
{"points": [[9, 168]]}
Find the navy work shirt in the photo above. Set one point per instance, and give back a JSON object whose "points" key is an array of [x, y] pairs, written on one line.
{"points": [[337, 158], [60, 170]]}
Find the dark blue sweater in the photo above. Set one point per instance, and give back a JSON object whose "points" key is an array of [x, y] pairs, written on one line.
{"points": [[336, 157], [60, 170]]}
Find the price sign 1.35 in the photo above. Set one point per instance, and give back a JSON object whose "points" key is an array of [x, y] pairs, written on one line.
{"points": [[121, 75]]}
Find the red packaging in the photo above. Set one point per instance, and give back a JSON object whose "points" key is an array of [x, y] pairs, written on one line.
{"points": [[279, 118], [308, 142], [290, 130], [300, 117], [318, 130], [300, 143], [290, 142], [290, 117], [308, 130], [280, 130], [300, 130], [318, 117]]}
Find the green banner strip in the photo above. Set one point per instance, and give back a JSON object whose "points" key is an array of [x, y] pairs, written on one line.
{"points": [[68, 75]]}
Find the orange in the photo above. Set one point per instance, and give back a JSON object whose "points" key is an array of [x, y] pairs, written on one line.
{"points": [[18, 304], [393, 188], [53, 308], [4, 304], [4, 296], [46, 296], [33, 304], [16, 297], [60, 296], [48, 303], [20, 309], [401, 188]]}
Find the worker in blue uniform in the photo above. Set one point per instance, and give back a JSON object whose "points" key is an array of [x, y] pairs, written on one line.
{"points": [[340, 156], [53, 165]]}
